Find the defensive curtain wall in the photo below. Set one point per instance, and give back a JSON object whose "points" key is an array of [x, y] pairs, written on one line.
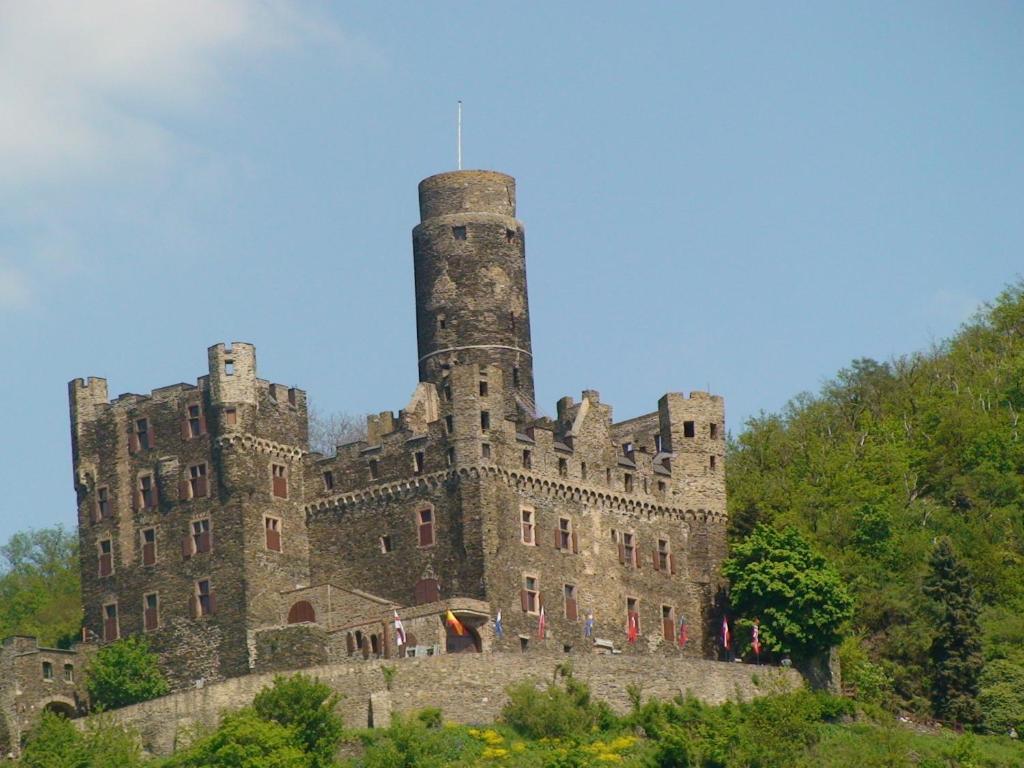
{"points": [[468, 688]]}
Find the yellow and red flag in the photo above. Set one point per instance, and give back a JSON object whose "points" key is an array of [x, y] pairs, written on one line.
{"points": [[454, 623]]}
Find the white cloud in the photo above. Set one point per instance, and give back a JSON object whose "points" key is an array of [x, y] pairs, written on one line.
{"points": [[81, 82]]}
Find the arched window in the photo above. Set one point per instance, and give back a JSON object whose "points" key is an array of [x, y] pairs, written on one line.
{"points": [[301, 612], [427, 591]]}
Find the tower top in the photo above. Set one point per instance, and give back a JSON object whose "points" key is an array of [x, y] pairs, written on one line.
{"points": [[467, 192]]}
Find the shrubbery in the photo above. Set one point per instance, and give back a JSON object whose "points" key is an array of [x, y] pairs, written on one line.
{"points": [[57, 743], [557, 711], [124, 672]]}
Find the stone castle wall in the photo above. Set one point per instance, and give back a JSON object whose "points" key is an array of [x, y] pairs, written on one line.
{"points": [[468, 688]]}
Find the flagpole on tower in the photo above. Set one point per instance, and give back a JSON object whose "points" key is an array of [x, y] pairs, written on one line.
{"points": [[458, 139]]}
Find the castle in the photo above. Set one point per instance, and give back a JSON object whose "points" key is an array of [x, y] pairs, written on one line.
{"points": [[207, 525]]}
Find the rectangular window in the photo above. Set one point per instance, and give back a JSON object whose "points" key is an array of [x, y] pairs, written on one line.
{"points": [[47, 671], [374, 469], [230, 417], [563, 467], [459, 233], [149, 546], [446, 392], [627, 450], [151, 611], [69, 673], [583, 470], [485, 450], [198, 541], [147, 492], [633, 613], [102, 503], [204, 602], [279, 473], [662, 557], [385, 544], [449, 427], [485, 420], [515, 376], [143, 435], [483, 389], [629, 548], [530, 594], [449, 457], [106, 557], [569, 592], [711, 463], [425, 522], [688, 429], [196, 422], [657, 442], [418, 462], [197, 485], [668, 623], [527, 459], [565, 537], [661, 486], [111, 630], [272, 526], [627, 482], [528, 535], [229, 367], [713, 430], [328, 481]]}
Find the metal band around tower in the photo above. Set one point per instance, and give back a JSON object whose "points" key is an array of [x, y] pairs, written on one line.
{"points": [[475, 346]]}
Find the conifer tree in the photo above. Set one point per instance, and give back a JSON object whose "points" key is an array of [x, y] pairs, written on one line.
{"points": [[955, 651]]}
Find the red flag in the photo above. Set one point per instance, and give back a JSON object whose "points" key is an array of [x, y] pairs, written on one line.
{"points": [[726, 637], [683, 636], [632, 631], [757, 637]]}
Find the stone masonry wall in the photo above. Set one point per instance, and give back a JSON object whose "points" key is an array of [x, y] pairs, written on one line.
{"points": [[467, 688]]}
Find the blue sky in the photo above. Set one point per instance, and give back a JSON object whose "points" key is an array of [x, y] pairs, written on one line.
{"points": [[742, 196]]}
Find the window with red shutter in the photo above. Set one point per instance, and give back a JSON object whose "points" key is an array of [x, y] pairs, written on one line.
{"points": [[279, 474], [149, 546], [201, 540], [427, 591], [570, 602], [531, 594], [147, 491], [662, 555], [204, 598], [196, 421], [197, 481], [272, 525], [628, 550], [425, 518], [668, 623], [563, 535], [301, 612], [111, 630], [106, 557], [527, 534], [151, 611]]}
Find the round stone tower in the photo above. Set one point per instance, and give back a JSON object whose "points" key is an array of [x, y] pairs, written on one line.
{"points": [[470, 264]]}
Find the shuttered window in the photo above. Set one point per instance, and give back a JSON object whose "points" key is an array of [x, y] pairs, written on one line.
{"points": [[149, 546], [111, 630], [151, 611], [272, 525], [106, 554], [279, 475], [571, 612]]}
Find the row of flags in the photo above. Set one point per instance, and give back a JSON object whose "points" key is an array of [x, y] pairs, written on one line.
{"points": [[632, 629]]}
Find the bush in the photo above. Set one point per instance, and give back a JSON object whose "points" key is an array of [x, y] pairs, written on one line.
{"points": [[307, 706], [245, 740], [1002, 697], [124, 672], [56, 743], [556, 711], [870, 682]]}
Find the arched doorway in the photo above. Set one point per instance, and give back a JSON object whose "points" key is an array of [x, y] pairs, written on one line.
{"points": [[62, 707], [467, 643], [301, 612], [426, 591]]}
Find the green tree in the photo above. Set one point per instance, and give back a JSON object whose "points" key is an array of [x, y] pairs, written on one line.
{"points": [[245, 740], [800, 599], [307, 706], [556, 711], [955, 651], [39, 586], [56, 743], [124, 672]]}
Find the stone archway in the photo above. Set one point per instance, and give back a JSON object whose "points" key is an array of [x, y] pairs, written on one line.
{"points": [[467, 643], [302, 612], [61, 706]]}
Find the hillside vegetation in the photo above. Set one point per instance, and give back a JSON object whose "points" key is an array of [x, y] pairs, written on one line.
{"points": [[886, 460]]}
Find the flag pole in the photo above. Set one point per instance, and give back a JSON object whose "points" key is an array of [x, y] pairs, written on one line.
{"points": [[458, 137]]}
